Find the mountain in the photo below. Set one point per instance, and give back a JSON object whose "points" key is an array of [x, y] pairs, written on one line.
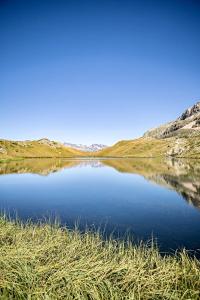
{"points": [[90, 148], [179, 138], [39, 148], [187, 124]]}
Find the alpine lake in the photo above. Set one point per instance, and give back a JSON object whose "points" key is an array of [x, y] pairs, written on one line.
{"points": [[131, 198]]}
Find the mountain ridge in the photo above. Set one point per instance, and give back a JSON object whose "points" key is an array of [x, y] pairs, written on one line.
{"points": [[35, 149], [179, 138], [86, 148], [187, 123]]}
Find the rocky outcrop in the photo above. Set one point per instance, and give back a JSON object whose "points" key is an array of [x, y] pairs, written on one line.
{"points": [[188, 124], [50, 143], [3, 150], [179, 147], [191, 111]]}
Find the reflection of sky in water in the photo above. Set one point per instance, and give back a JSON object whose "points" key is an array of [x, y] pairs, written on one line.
{"points": [[99, 196]]}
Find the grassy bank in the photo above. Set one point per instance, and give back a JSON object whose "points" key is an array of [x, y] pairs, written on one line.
{"points": [[47, 262], [5, 160]]}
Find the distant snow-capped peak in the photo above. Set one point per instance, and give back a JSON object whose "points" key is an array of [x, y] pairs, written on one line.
{"points": [[90, 148]]}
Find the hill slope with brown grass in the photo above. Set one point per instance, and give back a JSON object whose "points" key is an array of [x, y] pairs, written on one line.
{"points": [[38, 148], [152, 147], [180, 138]]}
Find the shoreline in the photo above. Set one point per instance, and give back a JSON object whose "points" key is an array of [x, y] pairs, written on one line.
{"points": [[7, 160]]}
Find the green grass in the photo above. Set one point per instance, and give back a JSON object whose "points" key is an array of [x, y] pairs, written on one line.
{"points": [[45, 261]]}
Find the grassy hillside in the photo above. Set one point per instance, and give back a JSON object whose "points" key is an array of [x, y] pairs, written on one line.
{"points": [[179, 138], [48, 262], [142, 147], [39, 148], [137, 148], [151, 147]]}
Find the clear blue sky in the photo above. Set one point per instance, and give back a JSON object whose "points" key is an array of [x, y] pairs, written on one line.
{"points": [[96, 71]]}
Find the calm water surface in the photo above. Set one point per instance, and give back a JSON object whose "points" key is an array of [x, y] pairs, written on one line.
{"points": [[143, 197]]}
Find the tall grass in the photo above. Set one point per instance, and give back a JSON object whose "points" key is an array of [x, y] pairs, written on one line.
{"points": [[45, 261]]}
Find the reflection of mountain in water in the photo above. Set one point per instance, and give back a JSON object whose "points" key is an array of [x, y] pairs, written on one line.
{"points": [[188, 189], [181, 175], [41, 166], [90, 163], [45, 166]]}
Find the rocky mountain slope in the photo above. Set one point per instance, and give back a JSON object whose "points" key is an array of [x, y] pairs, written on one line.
{"points": [[180, 138], [188, 124], [86, 148]]}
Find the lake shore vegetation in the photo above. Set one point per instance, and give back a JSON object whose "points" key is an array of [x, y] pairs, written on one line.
{"points": [[47, 261]]}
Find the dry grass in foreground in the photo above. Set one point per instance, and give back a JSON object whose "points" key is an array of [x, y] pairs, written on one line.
{"points": [[48, 262]]}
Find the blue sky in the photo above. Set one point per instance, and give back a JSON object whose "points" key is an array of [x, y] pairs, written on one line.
{"points": [[96, 71]]}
